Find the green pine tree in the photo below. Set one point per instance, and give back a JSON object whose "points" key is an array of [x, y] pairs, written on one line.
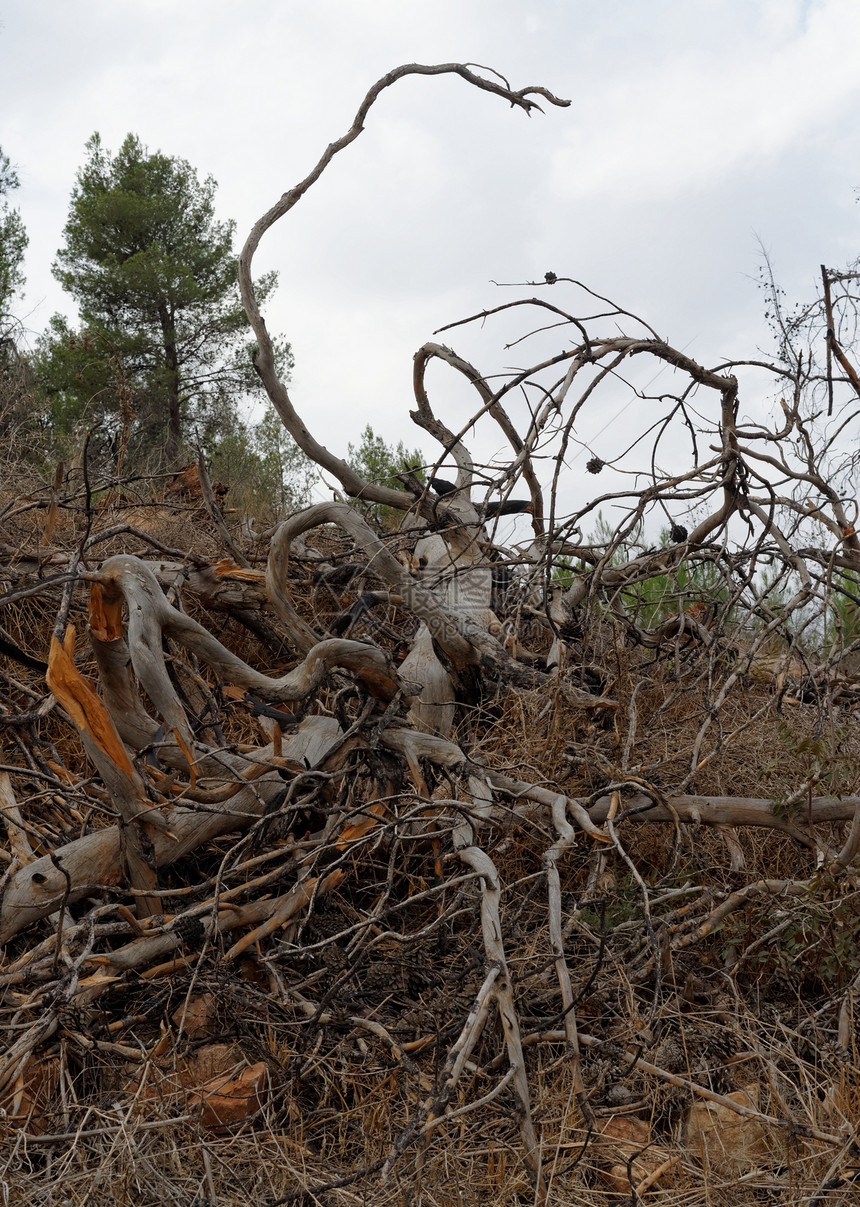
{"points": [[162, 350]]}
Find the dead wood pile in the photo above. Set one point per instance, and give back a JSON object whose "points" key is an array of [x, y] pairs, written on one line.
{"points": [[439, 864], [261, 931]]}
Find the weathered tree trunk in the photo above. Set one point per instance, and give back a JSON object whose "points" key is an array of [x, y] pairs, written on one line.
{"points": [[173, 382]]}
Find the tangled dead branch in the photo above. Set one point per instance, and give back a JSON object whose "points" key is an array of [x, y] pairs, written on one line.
{"points": [[492, 784]]}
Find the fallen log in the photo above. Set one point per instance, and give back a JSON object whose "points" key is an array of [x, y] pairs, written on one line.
{"points": [[732, 811]]}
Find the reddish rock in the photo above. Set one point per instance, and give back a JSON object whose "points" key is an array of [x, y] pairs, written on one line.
{"points": [[233, 1099], [725, 1142], [620, 1138], [197, 1017], [216, 1079]]}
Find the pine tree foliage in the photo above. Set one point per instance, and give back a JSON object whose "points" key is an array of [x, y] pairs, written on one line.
{"points": [[162, 351], [13, 244], [381, 463]]}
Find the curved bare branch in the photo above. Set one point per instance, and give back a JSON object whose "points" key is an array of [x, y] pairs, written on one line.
{"points": [[352, 482]]}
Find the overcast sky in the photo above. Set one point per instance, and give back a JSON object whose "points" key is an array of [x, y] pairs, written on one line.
{"points": [[696, 129]]}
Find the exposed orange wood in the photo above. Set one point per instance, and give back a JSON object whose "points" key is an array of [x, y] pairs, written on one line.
{"points": [[82, 704]]}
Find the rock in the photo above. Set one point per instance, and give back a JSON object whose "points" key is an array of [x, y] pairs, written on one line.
{"points": [[620, 1138], [725, 1142], [229, 1090], [197, 1017], [231, 1100], [212, 1060], [217, 1079]]}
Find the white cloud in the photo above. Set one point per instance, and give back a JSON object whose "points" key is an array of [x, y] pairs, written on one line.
{"points": [[682, 119]]}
